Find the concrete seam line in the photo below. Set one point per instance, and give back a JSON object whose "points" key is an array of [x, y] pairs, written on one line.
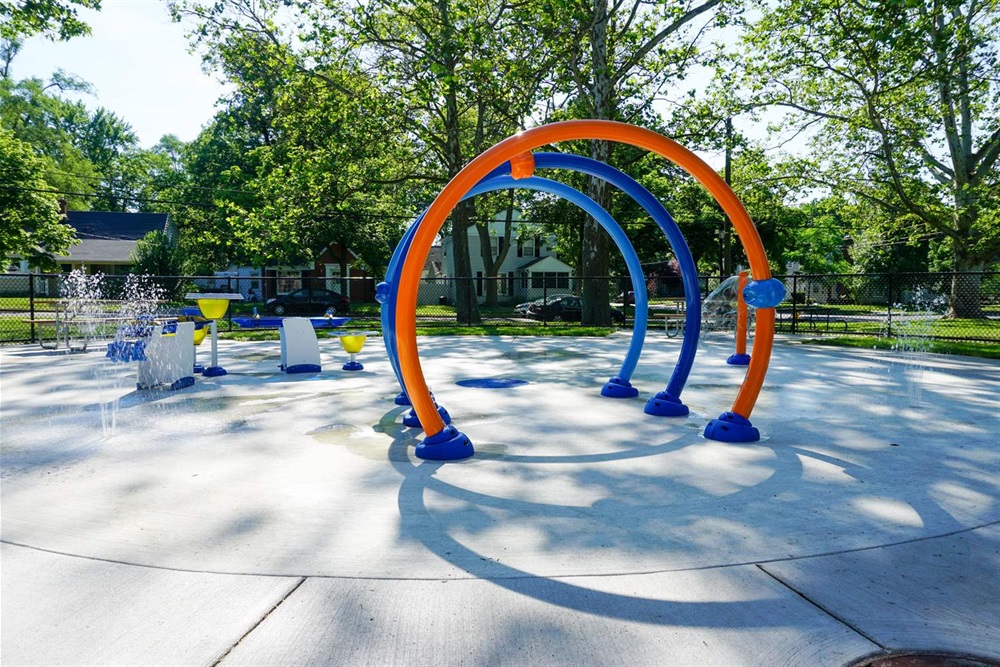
{"points": [[260, 620], [823, 609], [293, 575]]}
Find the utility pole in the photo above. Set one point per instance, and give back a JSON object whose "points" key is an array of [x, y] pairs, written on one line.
{"points": [[726, 267]]}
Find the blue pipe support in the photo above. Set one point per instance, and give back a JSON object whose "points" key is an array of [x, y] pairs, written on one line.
{"points": [[620, 384], [689, 274]]}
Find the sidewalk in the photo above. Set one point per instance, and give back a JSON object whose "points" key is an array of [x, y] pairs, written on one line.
{"points": [[258, 518]]}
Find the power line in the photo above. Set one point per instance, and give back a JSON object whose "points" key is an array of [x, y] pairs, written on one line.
{"points": [[148, 200]]}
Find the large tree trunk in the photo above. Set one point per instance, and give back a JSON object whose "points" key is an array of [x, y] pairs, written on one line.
{"points": [[964, 300], [492, 264], [466, 301], [596, 243]]}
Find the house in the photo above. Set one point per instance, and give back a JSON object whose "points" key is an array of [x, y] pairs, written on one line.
{"points": [[529, 270], [105, 240], [332, 269]]}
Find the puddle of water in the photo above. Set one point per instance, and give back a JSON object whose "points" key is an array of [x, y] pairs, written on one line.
{"points": [[360, 441]]}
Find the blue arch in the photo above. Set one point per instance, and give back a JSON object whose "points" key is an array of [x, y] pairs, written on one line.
{"points": [[618, 386], [666, 402]]}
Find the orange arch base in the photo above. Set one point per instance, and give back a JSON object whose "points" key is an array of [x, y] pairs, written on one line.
{"points": [[515, 148]]}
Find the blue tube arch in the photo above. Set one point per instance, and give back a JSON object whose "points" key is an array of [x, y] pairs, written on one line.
{"points": [[619, 386], [666, 402]]}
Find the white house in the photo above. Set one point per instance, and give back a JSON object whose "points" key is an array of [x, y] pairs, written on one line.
{"points": [[530, 269]]}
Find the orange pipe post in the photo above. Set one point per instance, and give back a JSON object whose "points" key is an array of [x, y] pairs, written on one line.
{"points": [[524, 142], [740, 358]]}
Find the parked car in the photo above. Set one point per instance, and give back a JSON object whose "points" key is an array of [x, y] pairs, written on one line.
{"points": [[566, 307], [521, 309], [309, 301], [627, 298]]}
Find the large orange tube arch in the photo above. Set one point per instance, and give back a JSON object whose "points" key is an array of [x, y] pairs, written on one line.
{"points": [[524, 142]]}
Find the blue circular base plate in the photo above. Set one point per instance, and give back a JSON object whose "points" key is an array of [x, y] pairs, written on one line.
{"points": [[410, 419], [303, 368], [491, 383], [402, 399], [448, 445], [214, 371], [353, 366], [182, 383], [619, 388], [665, 405], [738, 360], [731, 427]]}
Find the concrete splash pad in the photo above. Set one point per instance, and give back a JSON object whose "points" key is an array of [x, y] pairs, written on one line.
{"points": [[259, 473]]}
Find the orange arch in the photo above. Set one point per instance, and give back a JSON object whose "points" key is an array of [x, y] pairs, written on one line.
{"points": [[441, 208]]}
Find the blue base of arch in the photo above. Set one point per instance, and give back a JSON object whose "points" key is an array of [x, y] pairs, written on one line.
{"points": [[738, 360], [214, 371], [410, 419], [448, 445], [402, 399], [665, 405], [182, 383], [731, 427], [303, 368], [619, 388]]}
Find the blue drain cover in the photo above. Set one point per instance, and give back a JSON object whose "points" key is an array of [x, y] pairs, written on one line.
{"points": [[491, 383]]}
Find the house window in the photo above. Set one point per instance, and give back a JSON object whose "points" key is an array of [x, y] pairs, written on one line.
{"points": [[526, 247], [557, 279], [496, 245], [289, 281], [333, 279]]}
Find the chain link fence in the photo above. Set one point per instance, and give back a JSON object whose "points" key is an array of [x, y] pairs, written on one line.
{"points": [[944, 306]]}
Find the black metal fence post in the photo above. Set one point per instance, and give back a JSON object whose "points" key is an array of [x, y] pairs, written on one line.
{"points": [[545, 301], [31, 304], [888, 303], [795, 301], [470, 286], [229, 311]]}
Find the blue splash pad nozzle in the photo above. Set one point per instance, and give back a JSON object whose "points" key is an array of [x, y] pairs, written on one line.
{"points": [[738, 359], [448, 445], [665, 405], [764, 293], [410, 419], [731, 427], [616, 387]]}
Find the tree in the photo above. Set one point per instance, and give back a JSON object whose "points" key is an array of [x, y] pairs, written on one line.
{"points": [[51, 125], [466, 74], [618, 56], [905, 104], [30, 224], [318, 156], [56, 19], [156, 254]]}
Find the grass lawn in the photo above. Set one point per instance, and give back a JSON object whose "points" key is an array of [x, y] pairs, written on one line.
{"points": [[985, 350]]}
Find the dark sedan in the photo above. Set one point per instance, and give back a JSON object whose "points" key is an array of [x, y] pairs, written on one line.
{"points": [[567, 308], [309, 301]]}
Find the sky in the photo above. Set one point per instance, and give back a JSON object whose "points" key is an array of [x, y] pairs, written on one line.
{"points": [[139, 65], [141, 69]]}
